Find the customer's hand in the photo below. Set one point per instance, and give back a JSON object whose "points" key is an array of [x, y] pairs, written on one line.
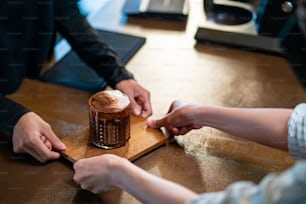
{"points": [[34, 136], [139, 97], [106, 171], [180, 119], [97, 174]]}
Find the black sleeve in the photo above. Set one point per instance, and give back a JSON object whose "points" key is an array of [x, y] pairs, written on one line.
{"points": [[86, 42], [10, 113]]}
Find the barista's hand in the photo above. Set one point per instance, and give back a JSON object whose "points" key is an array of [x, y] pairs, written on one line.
{"points": [[34, 136], [180, 119], [139, 97]]}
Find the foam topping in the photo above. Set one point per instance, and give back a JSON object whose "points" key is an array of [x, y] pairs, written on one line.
{"points": [[109, 101]]}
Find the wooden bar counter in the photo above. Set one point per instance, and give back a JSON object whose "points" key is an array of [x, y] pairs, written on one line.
{"points": [[172, 66]]}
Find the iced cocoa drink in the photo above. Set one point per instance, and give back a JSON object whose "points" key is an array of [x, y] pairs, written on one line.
{"points": [[109, 118]]}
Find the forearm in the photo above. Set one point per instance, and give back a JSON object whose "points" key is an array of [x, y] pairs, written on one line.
{"points": [[149, 188], [87, 43], [266, 126]]}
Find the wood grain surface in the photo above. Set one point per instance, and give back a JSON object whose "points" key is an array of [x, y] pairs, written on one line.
{"points": [[66, 110], [142, 141]]}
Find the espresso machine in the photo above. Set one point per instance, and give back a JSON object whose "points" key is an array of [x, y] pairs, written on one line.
{"points": [[240, 23]]}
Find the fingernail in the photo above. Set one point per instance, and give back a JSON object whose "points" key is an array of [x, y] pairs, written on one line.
{"points": [[62, 145], [149, 123], [137, 111]]}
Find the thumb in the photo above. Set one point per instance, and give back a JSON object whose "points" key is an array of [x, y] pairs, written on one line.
{"points": [[157, 123]]}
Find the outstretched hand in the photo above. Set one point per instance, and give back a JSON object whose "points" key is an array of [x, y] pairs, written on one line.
{"points": [[180, 119], [34, 136]]}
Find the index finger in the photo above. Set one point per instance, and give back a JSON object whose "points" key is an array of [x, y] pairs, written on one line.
{"points": [[143, 101], [55, 141], [40, 151], [146, 106]]}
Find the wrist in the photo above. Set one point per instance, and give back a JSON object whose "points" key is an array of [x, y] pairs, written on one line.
{"points": [[118, 171], [122, 84], [213, 116], [199, 114]]}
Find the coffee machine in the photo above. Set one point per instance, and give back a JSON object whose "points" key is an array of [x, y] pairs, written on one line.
{"points": [[239, 23]]}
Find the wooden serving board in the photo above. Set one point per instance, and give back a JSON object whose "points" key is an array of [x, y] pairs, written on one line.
{"points": [[66, 110], [142, 141]]}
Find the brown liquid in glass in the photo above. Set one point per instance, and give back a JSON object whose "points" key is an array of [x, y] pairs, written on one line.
{"points": [[111, 129]]}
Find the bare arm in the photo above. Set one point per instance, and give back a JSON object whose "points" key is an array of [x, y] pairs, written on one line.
{"points": [[100, 173], [149, 188], [266, 126], [263, 125]]}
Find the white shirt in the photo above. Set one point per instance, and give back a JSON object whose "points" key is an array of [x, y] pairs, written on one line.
{"points": [[288, 187]]}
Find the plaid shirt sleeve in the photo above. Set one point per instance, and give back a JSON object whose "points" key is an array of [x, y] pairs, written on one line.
{"points": [[286, 187], [297, 132]]}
